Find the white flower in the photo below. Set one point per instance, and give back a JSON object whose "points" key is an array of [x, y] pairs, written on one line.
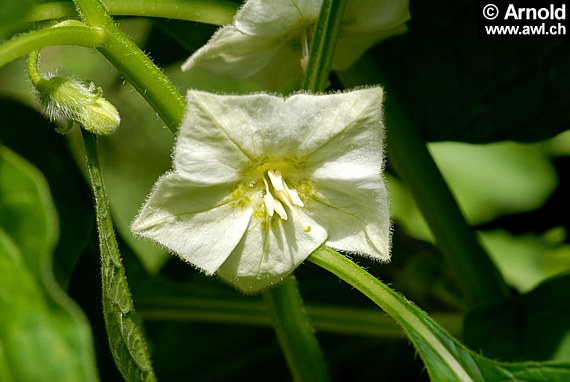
{"points": [[259, 182], [269, 40]]}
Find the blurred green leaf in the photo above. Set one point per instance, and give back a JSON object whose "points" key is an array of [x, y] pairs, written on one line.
{"points": [[489, 181], [13, 12], [534, 326], [33, 137], [39, 322], [526, 260], [495, 179], [28, 214]]}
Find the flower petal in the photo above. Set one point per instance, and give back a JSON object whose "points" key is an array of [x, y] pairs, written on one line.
{"points": [[234, 53], [266, 39], [334, 123], [270, 250], [216, 140], [356, 215], [233, 130], [190, 219], [273, 62], [277, 17], [351, 200]]}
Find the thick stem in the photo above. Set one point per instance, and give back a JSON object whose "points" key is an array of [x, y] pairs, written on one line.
{"points": [[294, 333], [480, 280], [216, 12], [135, 65]]}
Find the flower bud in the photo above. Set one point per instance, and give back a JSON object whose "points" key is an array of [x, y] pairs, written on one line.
{"points": [[64, 98]]}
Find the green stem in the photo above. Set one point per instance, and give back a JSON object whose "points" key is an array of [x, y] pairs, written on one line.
{"points": [[479, 278], [294, 332], [216, 12], [470, 265], [33, 72], [326, 318], [323, 45], [145, 76], [38, 39], [422, 330], [135, 65], [126, 338]]}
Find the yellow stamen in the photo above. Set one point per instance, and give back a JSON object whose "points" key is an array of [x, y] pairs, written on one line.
{"points": [[283, 196]]}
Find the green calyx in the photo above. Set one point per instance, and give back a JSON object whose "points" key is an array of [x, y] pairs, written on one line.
{"points": [[68, 99]]}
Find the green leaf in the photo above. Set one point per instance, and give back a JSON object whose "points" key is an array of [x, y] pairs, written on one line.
{"points": [[12, 13], [28, 214], [534, 326], [528, 259], [124, 329], [32, 136], [446, 359], [39, 322]]}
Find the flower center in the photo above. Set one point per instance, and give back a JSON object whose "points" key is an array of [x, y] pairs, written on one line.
{"points": [[277, 194]]}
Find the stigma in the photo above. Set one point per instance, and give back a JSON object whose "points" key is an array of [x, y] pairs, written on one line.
{"points": [[278, 194]]}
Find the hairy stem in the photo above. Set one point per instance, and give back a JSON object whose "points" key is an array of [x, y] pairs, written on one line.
{"points": [[428, 338], [126, 338], [135, 65], [38, 39], [216, 12]]}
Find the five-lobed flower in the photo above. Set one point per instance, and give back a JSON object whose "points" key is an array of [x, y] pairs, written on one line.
{"points": [[269, 41], [260, 181]]}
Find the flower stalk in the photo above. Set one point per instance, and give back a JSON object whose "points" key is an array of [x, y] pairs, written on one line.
{"points": [[134, 64], [295, 333], [323, 47]]}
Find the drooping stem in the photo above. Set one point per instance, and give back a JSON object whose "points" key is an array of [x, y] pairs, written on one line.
{"points": [[429, 339], [60, 35], [33, 71]]}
